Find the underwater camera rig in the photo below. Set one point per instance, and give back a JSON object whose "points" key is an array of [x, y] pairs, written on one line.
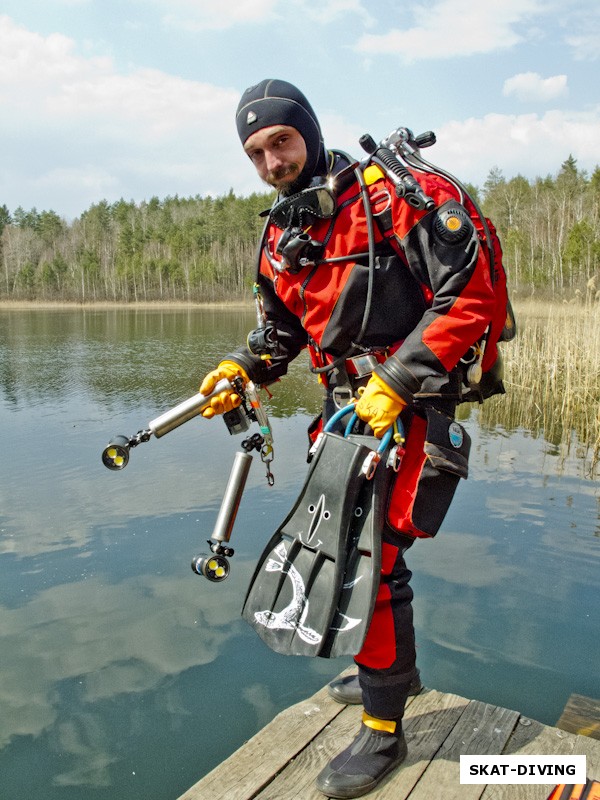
{"points": [[115, 456]]}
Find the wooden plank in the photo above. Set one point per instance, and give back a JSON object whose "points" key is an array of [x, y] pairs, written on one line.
{"points": [[428, 719], [590, 748], [482, 729], [282, 761], [297, 781], [250, 768], [581, 715], [427, 724], [532, 738]]}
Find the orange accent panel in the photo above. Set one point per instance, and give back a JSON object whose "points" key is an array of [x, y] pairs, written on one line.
{"points": [[466, 320], [379, 648], [405, 485]]}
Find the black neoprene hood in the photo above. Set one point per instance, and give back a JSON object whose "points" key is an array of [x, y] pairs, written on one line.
{"points": [[277, 102]]}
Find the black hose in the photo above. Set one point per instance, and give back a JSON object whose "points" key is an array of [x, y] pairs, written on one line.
{"points": [[406, 186], [369, 299]]}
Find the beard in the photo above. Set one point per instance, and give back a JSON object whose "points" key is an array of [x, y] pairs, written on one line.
{"points": [[283, 178]]}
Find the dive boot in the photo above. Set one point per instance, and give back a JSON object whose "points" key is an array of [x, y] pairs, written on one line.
{"points": [[379, 748], [347, 690]]}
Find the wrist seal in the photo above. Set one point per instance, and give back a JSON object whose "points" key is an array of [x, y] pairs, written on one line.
{"points": [[398, 378]]}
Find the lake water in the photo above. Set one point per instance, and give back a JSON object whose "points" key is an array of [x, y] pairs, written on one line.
{"points": [[123, 675]]}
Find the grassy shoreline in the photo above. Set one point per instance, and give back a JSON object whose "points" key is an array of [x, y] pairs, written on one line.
{"points": [[552, 377], [552, 367], [59, 305]]}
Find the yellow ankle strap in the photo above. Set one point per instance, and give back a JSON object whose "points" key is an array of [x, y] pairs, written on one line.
{"points": [[387, 725]]}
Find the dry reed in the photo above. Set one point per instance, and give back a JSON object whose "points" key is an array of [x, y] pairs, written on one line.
{"points": [[552, 377]]}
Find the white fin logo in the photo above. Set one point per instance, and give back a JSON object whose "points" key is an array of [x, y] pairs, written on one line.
{"points": [[291, 617], [319, 514]]}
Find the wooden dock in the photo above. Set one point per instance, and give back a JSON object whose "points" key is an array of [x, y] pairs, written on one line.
{"points": [[283, 759]]}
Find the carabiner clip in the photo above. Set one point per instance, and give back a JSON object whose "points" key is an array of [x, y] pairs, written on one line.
{"points": [[370, 464], [395, 455], [394, 458], [374, 457], [266, 456]]}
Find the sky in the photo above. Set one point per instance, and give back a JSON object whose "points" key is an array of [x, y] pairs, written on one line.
{"points": [[134, 99]]}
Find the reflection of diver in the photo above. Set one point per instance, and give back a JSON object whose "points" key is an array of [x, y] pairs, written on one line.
{"points": [[380, 273]]}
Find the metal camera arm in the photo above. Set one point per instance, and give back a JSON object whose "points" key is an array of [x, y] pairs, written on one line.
{"points": [[215, 566], [115, 455]]}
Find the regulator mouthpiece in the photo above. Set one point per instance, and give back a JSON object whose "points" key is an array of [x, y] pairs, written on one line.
{"points": [[116, 454], [214, 567]]}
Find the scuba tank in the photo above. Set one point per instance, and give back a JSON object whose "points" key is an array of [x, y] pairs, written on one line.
{"points": [[401, 149]]}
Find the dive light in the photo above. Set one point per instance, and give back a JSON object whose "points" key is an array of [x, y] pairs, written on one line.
{"points": [[115, 455], [215, 566]]}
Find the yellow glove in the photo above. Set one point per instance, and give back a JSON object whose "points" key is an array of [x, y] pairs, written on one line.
{"points": [[379, 405], [227, 400]]}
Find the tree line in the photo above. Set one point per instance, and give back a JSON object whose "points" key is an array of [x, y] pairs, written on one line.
{"points": [[203, 249]]}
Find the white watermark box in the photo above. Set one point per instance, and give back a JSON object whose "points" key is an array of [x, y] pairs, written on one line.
{"points": [[522, 769]]}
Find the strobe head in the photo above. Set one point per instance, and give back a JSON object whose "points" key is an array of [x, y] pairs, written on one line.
{"points": [[215, 567], [115, 455]]}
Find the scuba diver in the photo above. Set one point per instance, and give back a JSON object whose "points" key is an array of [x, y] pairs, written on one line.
{"points": [[381, 274]]}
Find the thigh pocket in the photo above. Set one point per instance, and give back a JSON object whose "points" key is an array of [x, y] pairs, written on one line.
{"points": [[436, 458]]}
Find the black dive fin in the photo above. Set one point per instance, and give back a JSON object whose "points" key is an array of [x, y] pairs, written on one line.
{"points": [[294, 593], [363, 564]]}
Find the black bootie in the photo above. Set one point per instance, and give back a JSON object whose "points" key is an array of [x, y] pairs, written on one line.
{"points": [[378, 749], [347, 690]]}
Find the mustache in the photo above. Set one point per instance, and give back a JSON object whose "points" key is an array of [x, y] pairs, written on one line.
{"points": [[274, 176]]}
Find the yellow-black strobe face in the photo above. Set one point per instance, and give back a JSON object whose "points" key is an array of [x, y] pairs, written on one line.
{"points": [[215, 568], [116, 454]]}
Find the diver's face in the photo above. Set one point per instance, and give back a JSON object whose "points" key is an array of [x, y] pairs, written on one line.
{"points": [[278, 154]]}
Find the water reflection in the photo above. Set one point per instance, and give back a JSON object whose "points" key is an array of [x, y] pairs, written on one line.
{"points": [[112, 637], [511, 581], [122, 674], [137, 359], [75, 377]]}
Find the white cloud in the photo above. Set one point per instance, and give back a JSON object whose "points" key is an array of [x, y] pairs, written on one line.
{"points": [[198, 15], [532, 145], [586, 46], [28, 59], [530, 86], [148, 629], [582, 23], [338, 132], [329, 10], [67, 86], [454, 28], [201, 15], [94, 180], [526, 144], [77, 128], [105, 128], [156, 103]]}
